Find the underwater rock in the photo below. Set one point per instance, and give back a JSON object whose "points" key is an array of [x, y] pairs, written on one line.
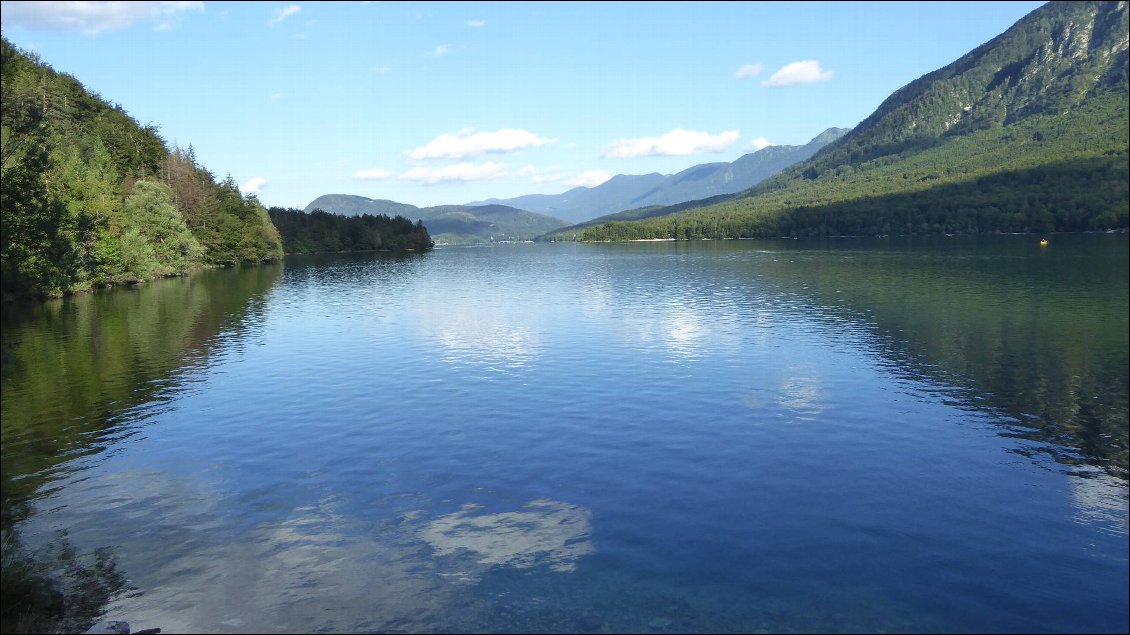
{"points": [[109, 627]]}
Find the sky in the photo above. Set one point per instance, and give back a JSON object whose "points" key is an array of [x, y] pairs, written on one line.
{"points": [[449, 103]]}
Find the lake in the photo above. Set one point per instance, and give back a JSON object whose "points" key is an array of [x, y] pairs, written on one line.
{"points": [[847, 435]]}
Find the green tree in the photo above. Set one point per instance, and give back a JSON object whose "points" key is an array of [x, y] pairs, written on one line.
{"points": [[156, 241], [37, 255]]}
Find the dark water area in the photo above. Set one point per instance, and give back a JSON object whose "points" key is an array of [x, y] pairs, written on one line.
{"points": [[845, 435]]}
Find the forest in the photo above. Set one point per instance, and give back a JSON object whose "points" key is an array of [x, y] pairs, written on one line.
{"points": [[320, 231], [92, 198]]}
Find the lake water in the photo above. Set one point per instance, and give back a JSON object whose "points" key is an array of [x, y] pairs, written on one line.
{"points": [[850, 435]]}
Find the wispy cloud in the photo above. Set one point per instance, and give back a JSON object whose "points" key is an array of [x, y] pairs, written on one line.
{"points": [[275, 96], [374, 174], [468, 143], [459, 172], [91, 18], [381, 69], [796, 73], [760, 143], [590, 178], [486, 171], [253, 185], [475, 24], [540, 176], [749, 70], [676, 143], [284, 13], [441, 50], [555, 174]]}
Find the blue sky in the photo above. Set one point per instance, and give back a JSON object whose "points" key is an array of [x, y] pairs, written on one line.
{"points": [[430, 103]]}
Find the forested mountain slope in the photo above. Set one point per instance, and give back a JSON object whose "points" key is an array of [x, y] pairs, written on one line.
{"points": [[91, 198], [1026, 133]]}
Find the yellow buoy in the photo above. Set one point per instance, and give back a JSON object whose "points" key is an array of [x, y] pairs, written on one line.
{"points": [[1043, 242]]}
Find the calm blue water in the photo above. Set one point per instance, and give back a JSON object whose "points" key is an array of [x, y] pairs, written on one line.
{"points": [[666, 437]]}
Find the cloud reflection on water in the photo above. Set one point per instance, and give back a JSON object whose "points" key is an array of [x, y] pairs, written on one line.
{"points": [[546, 532]]}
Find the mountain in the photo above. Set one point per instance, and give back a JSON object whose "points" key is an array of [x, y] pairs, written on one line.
{"points": [[1026, 133], [712, 179], [1050, 62], [351, 205], [581, 203], [623, 192], [450, 224]]}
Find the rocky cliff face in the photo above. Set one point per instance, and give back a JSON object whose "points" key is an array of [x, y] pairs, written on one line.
{"points": [[1049, 62]]}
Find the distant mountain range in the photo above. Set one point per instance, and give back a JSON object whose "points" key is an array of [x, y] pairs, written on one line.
{"points": [[624, 192], [1028, 132], [527, 217], [448, 224]]}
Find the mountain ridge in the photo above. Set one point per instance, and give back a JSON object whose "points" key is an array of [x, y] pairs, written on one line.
{"points": [[448, 224], [627, 191], [1049, 91]]}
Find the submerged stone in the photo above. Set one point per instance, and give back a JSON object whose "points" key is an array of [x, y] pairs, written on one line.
{"points": [[109, 626]]}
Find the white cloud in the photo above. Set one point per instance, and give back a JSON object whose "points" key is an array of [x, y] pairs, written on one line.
{"points": [[275, 96], [299, 36], [441, 50], [92, 18], [796, 73], [284, 13], [474, 24], [590, 178], [373, 174], [760, 143], [381, 69], [749, 70], [676, 143], [253, 185], [468, 143], [458, 172]]}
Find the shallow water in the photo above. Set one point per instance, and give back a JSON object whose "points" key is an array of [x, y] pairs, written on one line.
{"points": [[849, 435]]}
